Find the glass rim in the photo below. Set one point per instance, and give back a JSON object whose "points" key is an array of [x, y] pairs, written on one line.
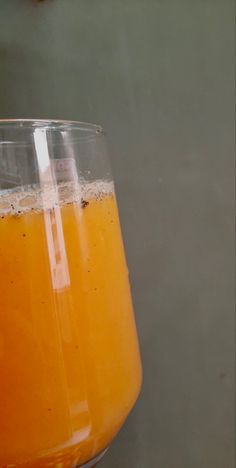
{"points": [[86, 129]]}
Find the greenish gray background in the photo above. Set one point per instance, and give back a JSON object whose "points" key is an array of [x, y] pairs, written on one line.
{"points": [[159, 76]]}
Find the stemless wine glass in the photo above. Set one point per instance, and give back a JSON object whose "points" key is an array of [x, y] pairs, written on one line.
{"points": [[70, 369]]}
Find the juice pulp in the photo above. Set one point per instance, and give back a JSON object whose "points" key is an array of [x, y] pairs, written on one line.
{"points": [[69, 361]]}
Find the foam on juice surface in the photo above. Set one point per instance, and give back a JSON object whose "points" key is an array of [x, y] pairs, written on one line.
{"points": [[23, 199]]}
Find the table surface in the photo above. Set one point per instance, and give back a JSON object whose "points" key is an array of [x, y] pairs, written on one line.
{"points": [[159, 76]]}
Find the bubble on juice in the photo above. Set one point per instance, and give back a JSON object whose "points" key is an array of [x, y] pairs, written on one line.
{"points": [[22, 199]]}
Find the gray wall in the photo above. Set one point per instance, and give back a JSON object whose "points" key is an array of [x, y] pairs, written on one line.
{"points": [[158, 75]]}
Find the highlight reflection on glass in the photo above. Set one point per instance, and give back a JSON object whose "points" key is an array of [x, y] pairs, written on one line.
{"points": [[69, 361]]}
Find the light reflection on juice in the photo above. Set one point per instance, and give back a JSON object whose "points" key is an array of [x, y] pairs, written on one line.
{"points": [[69, 362]]}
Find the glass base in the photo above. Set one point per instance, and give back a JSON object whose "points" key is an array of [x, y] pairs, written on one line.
{"points": [[92, 463]]}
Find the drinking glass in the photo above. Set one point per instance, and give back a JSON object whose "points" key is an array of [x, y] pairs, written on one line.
{"points": [[70, 369]]}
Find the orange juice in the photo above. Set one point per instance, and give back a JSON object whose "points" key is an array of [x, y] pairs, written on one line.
{"points": [[69, 362]]}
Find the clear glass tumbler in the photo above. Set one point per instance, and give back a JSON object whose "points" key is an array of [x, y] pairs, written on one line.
{"points": [[70, 369]]}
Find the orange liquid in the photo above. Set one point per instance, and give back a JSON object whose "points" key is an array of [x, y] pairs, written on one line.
{"points": [[69, 362]]}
